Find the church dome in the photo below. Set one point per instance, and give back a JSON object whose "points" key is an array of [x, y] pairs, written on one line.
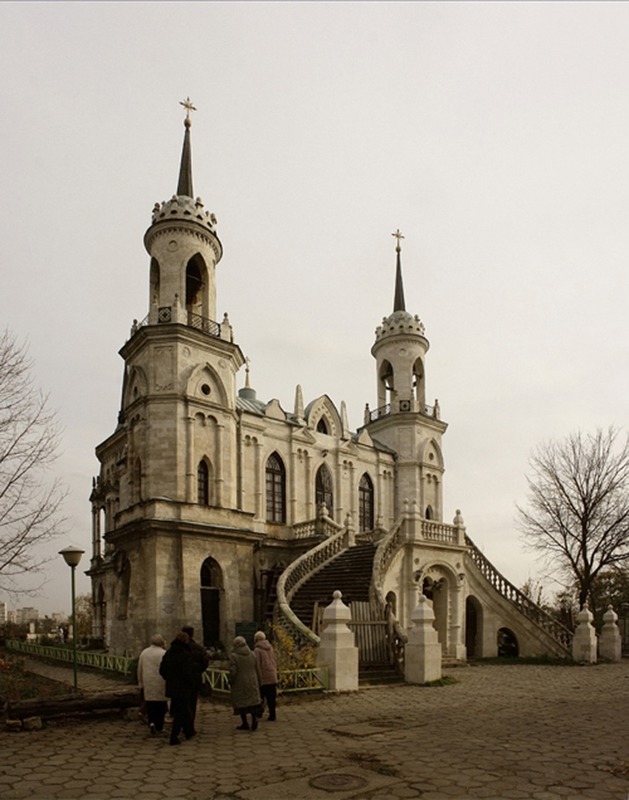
{"points": [[400, 322], [182, 207]]}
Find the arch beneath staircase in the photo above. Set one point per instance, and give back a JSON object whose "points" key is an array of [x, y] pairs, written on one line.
{"points": [[473, 627]]}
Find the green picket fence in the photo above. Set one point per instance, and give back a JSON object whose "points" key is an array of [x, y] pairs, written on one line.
{"points": [[312, 679]]}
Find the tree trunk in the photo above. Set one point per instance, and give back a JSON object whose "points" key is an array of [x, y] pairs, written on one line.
{"points": [[73, 703]]}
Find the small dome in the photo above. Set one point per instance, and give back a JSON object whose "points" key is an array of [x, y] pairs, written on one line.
{"points": [[183, 207], [400, 322]]}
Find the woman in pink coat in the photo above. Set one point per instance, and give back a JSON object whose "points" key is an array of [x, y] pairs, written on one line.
{"points": [[265, 656]]}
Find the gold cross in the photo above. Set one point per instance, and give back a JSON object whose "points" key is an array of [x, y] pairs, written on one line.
{"points": [[187, 104], [398, 236]]}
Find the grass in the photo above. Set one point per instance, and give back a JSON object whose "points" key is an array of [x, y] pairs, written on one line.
{"points": [[17, 684]]}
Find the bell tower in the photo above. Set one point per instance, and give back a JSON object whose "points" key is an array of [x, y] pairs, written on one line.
{"points": [[402, 419], [184, 250]]}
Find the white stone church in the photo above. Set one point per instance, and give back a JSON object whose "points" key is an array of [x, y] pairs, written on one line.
{"points": [[215, 508]]}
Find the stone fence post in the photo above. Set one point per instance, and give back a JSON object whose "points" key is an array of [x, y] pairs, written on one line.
{"points": [[610, 641], [584, 640], [422, 653], [337, 649]]}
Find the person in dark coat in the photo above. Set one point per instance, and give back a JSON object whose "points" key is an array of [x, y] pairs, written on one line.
{"points": [[200, 659], [244, 679], [177, 669], [265, 656]]}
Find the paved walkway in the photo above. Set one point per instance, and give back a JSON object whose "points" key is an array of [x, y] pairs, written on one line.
{"points": [[500, 732]]}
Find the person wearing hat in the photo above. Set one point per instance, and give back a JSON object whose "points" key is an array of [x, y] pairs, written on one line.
{"points": [[152, 684], [244, 679], [267, 663], [200, 660], [178, 670]]}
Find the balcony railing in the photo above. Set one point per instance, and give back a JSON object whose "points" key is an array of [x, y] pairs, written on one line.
{"points": [[402, 407], [165, 316]]}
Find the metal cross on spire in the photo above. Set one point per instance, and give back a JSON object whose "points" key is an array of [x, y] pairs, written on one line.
{"points": [[398, 236], [187, 104]]}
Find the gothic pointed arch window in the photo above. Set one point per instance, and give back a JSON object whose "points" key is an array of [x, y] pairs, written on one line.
{"points": [[195, 283], [203, 483], [323, 489], [322, 426], [275, 489], [365, 504]]}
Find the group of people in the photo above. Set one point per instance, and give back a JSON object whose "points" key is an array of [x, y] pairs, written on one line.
{"points": [[176, 674]]}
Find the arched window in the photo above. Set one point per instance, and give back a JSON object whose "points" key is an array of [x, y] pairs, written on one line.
{"points": [[323, 488], [203, 484], [428, 513], [322, 426], [365, 504], [275, 489]]}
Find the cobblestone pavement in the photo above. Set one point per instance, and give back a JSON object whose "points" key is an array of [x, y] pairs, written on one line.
{"points": [[499, 732]]}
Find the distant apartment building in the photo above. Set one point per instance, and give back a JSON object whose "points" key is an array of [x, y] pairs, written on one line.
{"points": [[25, 615]]}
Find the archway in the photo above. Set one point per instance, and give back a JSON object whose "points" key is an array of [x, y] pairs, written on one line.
{"points": [[507, 643], [211, 590], [436, 590], [473, 627]]}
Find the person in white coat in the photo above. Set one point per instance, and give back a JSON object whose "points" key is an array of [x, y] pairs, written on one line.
{"points": [[152, 684]]}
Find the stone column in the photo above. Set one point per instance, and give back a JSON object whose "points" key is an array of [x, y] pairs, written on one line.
{"points": [[219, 465], [422, 654], [190, 471], [584, 641], [337, 649], [610, 642]]}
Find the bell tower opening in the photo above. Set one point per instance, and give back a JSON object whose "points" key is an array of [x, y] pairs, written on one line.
{"points": [[195, 284]]}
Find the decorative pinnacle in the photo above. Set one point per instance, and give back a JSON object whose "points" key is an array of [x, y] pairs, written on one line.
{"points": [[398, 236], [187, 104]]}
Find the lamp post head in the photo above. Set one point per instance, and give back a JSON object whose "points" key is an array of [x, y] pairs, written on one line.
{"points": [[72, 556]]}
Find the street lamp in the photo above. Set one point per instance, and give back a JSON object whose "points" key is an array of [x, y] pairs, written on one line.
{"points": [[72, 556]]}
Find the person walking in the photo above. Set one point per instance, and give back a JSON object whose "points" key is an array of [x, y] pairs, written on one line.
{"points": [[244, 680], [267, 663], [152, 684], [177, 669], [200, 660]]}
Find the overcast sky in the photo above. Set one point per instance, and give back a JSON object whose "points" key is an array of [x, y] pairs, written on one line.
{"points": [[495, 136]]}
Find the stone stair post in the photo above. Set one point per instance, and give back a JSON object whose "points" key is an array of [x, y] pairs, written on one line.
{"points": [[584, 640], [422, 653], [350, 531], [337, 649], [610, 641]]}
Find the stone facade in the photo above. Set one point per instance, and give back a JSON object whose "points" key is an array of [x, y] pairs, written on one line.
{"points": [[206, 493]]}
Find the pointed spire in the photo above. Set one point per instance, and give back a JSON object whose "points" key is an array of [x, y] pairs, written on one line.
{"points": [[398, 300], [184, 186]]}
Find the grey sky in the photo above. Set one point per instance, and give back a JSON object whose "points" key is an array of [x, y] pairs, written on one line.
{"points": [[493, 135]]}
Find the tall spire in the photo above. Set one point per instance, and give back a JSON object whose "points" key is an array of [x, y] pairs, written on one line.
{"points": [[398, 299], [184, 186]]}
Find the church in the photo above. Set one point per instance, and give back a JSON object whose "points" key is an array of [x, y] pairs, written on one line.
{"points": [[215, 508]]}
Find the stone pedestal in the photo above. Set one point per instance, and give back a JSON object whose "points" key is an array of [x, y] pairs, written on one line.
{"points": [[337, 650], [584, 641], [610, 641], [422, 654]]}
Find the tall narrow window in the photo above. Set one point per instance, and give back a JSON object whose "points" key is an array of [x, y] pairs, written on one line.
{"points": [[365, 504], [275, 489], [203, 484], [323, 489]]}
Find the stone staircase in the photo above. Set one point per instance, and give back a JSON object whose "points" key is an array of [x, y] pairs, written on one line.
{"points": [[350, 572]]}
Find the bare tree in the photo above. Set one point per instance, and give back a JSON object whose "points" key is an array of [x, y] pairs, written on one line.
{"points": [[578, 507], [30, 501]]}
